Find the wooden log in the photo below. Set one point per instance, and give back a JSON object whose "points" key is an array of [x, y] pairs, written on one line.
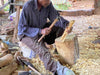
{"points": [[5, 60], [8, 70], [16, 28], [69, 49]]}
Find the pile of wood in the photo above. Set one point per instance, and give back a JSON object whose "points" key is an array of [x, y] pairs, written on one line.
{"points": [[7, 62], [7, 28], [78, 12]]}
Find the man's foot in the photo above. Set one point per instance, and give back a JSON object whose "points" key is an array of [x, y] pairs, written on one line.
{"points": [[62, 70]]}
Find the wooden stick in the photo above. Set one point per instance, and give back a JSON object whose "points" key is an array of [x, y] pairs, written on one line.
{"points": [[63, 37], [34, 70], [50, 28], [16, 26]]}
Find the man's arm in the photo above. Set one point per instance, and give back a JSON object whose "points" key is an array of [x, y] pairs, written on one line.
{"points": [[23, 27], [53, 13]]}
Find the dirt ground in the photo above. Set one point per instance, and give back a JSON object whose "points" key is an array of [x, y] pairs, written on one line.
{"points": [[89, 61], [81, 4]]}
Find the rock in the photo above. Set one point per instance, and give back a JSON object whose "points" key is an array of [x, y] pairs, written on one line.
{"points": [[89, 27], [96, 41], [78, 12]]}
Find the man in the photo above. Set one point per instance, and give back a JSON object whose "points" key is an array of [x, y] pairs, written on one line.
{"points": [[33, 24]]}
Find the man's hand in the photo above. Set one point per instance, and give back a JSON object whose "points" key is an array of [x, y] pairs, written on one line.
{"points": [[45, 31]]}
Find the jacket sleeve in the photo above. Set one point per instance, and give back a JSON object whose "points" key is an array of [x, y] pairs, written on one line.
{"points": [[23, 26], [53, 14]]}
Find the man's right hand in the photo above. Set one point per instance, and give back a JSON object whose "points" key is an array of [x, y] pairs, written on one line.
{"points": [[45, 31]]}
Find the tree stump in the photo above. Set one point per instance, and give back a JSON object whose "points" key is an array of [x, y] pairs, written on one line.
{"points": [[69, 49]]}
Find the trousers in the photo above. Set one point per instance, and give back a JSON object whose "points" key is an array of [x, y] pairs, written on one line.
{"points": [[41, 49]]}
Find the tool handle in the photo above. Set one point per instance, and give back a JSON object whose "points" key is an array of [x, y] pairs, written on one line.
{"points": [[34, 70], [41, 38], [49, 28], [53, 23], [71, 24], [63, 37]]}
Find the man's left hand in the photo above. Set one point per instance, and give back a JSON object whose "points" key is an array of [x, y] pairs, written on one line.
{"points": [[69, 31]]}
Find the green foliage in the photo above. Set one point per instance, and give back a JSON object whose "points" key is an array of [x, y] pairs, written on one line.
{"points": [[7, 7], [62, 6]]}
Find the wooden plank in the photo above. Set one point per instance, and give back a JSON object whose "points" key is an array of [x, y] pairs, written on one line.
{"points": [[69, 49], [16, 28]]}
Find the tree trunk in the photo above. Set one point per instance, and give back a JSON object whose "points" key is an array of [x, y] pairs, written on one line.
{"points": [[69, 49]]}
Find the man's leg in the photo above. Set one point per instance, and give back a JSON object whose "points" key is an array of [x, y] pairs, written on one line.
{"points": [[42, 51]]}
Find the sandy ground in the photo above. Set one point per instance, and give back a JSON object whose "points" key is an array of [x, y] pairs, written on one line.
{"points": [[89, 61], [82, 4]]}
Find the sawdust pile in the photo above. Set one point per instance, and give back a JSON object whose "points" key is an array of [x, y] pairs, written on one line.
{"points": [[38, 64], [89, 61]]}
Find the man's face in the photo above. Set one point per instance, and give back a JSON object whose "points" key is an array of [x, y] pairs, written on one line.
{"points": [[44, 3]]}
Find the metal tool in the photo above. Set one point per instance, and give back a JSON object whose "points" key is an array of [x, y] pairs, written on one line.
{"points": [[28, 64]]}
